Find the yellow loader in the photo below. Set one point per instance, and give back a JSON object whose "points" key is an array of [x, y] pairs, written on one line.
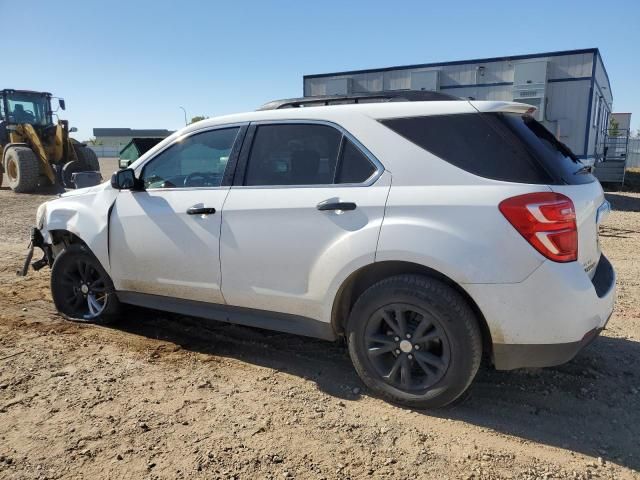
{"points": [[37, 152]]}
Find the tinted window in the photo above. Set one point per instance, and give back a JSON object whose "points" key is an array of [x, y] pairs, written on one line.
{"points": [[355, 167], [555, 156], [196, 161], [484, 147], [501, 146], [290, 154]]}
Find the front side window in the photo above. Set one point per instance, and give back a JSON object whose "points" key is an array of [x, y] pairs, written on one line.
{"points": [[305, 154], [196, 161]]}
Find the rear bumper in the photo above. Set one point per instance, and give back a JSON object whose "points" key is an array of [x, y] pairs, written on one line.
{"points": [[547, 319], [511, 356]]}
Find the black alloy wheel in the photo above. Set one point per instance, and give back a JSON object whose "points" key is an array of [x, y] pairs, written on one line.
{"points": [[81, 289], [407, 347]]}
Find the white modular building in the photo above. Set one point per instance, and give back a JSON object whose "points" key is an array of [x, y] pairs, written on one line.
{"points": [[570, 89]]}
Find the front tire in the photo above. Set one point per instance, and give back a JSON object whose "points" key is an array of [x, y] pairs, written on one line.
{"points": [[22, 169], [82, 290], [414, 341]]}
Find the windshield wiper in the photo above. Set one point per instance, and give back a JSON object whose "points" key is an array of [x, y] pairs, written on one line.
{"points": [[584, 169], [541, 132]]}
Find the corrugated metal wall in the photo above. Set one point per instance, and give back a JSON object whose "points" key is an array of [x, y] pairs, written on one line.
{"points": [[601, 107], [633, 154], [568, 89]]}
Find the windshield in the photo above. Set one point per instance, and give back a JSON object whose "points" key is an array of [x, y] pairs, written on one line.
{"points": [[30, 108]]}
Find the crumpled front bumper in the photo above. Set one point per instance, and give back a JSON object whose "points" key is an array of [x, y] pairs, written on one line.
{"points": [[37, 241]]}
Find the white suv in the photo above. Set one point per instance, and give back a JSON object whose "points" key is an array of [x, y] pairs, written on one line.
{"points": [[427, 233]]}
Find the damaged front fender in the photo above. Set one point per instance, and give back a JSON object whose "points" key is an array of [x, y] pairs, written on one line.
{"points": [[83, 213]]}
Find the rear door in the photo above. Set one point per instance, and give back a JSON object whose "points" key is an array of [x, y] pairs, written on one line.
{"points": [[165, 239], [307, 202]]}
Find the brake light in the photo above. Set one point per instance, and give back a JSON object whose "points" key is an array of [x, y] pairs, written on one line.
{"points": [[547, 221]]}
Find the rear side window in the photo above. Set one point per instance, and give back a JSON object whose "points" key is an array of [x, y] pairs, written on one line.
{"points": [[305, 154], [355, 167], [500, 146]]}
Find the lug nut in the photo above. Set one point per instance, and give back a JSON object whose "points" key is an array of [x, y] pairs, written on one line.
{"points": [[397, 352], [408, 335], [417, 347], [397, 339], [410, 356]]}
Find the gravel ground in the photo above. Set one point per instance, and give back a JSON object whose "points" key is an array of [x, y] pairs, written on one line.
{"points": [[167, 396]]}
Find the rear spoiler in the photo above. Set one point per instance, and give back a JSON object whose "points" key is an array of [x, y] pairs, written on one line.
{"points": [[509, 107]]}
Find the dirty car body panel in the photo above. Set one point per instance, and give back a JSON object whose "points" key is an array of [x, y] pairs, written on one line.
{"points": [[273, 253]]}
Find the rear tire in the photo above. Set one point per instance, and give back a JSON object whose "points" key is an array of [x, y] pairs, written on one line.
{"points": [[414, 341], [22, 169], [82, 290], [87, 158]]}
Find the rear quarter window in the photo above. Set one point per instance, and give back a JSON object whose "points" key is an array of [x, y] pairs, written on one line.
{"points": [[500, 146]]}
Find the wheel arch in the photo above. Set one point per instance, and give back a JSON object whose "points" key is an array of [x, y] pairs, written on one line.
{"points": [[65, 236], [61, 238], [368, 275], [82, 218]]}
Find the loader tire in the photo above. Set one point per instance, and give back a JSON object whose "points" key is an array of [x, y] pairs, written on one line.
{"points": [[22, 169], [86, 157], [68, 169]]}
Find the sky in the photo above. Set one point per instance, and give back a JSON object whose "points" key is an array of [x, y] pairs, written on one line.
{"points": [[134, 64]]}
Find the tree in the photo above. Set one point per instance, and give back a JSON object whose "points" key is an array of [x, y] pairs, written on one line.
{"points": [[613, 127], [197, 118]]}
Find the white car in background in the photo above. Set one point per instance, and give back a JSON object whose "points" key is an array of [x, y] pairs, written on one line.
{"points": [[427, 233]]}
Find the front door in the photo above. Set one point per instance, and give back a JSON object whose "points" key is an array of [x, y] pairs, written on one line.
{"points": [[164, 240]]}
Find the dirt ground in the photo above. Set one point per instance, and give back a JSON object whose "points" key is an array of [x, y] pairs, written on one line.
{"points": [[166, 396]]}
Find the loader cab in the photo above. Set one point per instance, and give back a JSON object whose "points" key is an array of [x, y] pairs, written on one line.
{"points": [[23, 106]]}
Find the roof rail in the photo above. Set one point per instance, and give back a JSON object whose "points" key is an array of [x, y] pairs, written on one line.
{"points": [[396, 96]]}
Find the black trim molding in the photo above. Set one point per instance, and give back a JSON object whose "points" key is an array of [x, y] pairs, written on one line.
{"points": [[281, 322], [508, 356]]}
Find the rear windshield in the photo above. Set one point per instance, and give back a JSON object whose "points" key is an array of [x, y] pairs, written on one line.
{"points": [[500, 146]]}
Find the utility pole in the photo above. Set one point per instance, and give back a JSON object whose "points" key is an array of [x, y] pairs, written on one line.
{"points": [[185, 116]]}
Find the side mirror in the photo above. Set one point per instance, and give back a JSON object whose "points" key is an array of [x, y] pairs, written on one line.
{"points": [[73, 130], [125, 180], [61, 103]]}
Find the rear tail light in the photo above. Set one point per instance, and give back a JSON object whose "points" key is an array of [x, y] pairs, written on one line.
{"points": [[547, 221]]}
